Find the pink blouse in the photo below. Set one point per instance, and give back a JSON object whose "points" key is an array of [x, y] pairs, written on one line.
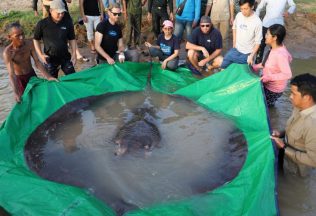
{"points": [[277, 70]]}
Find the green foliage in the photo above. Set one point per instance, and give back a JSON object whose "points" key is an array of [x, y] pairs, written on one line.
{"points": [[306, 6], [25, 18]]}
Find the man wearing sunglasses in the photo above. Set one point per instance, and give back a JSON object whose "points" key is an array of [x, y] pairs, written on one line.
{"points": [[109, 40], [222, 15], [204, 45]]}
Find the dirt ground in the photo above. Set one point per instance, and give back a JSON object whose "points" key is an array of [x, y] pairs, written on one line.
{"points": [[301, 27]]}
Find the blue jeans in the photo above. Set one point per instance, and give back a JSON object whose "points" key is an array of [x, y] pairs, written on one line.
{"points": [[179, 27], [234, 56], [172, 64]]}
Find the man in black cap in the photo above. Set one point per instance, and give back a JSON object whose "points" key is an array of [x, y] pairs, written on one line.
{"points": [[204, 45], [56, 31]]}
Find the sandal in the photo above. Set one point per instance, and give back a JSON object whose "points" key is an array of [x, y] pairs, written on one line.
{"points": [[83, 59]]}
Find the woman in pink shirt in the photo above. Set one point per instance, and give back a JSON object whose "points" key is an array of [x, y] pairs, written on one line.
{"points": [[276, 70]]}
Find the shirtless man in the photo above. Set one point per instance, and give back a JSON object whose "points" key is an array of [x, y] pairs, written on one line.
{"points": [[17, 57]]}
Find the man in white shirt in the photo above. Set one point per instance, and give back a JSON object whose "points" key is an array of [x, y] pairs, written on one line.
{"points": [[275, 13], [247, 35]]}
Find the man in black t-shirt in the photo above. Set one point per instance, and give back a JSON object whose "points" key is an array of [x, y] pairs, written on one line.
{"points": [[109, 41], [204, 45], [56, 31]]}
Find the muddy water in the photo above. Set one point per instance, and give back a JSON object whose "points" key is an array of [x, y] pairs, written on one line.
{"points": [[296, 195], [80, 151]]}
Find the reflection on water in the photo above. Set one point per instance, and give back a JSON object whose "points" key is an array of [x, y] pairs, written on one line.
{"points": [[296, 195], [6, 93], [198, 150]]}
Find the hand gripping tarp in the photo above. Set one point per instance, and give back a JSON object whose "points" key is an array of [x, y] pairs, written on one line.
{"points": [[235, 92]]}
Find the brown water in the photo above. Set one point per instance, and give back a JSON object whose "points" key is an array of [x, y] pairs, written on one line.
{"points": [[296, 195], [80, 150]]}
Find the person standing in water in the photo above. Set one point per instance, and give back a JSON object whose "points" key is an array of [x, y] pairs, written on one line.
{"points": [[17, 57], [298, 141], [276, 66]]}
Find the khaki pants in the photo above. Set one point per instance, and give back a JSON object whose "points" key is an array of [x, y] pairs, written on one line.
{"points": [[45, 11], [46, 4], [223, 27], [134, 24]]}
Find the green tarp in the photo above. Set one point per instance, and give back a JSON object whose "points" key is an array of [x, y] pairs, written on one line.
{"points": [[235, 92]]}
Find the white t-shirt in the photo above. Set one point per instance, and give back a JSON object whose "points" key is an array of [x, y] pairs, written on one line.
{"points": [[274, 11], [248, 32]]}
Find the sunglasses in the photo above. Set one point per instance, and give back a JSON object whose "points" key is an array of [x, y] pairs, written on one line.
{"points": [[208, 25], [116, 14]]}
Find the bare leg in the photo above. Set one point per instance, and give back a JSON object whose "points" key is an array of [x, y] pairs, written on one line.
{"points": [[193, 59], [216, 63], [92, 46], [80, 57]]}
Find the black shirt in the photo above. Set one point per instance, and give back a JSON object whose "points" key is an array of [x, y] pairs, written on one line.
{"points": [[55, 36], [211, 41], [154, 4], [91, 7], [111, 35]]}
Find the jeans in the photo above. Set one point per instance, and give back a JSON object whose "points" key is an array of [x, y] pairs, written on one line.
{"points": [[179, 27], [172, 64], [234, 56]]}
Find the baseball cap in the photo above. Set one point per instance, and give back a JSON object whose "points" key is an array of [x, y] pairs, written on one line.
{"points": [[205, 19], [167, 23], [58, 5]]}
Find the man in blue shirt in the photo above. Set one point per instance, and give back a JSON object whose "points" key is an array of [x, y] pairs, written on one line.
{"points": [[189, 18]]}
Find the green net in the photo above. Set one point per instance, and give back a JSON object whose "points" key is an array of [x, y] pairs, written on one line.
{"points": [[234, 92]]}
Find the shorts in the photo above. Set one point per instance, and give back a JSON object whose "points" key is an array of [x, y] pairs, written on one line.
{"points": [[65, 65]]}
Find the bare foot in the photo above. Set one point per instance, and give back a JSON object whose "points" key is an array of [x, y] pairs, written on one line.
{"points": [[207, 73]]}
